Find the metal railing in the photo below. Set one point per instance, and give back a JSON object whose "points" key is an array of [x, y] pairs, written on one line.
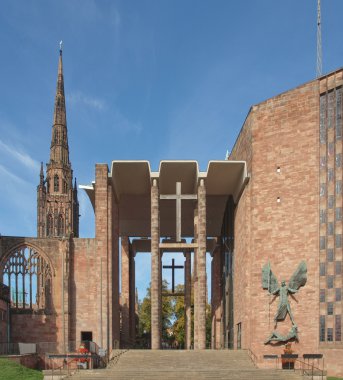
{"points": [[252, 356]]}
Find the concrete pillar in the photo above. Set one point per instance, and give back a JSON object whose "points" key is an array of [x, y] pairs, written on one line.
{"points": [[156, 299], [103, 236], [125, 292], [195, 279], [188, 309], [216, 298], [132, 297], [200, 306], [113, 270]]}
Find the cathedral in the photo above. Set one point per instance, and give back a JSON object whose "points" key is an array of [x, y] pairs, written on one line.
{"points": [[270, 215]]}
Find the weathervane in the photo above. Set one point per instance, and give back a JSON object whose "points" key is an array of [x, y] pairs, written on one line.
{"points": [[61, 42]]}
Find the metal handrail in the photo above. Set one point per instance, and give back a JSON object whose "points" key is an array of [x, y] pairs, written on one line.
{"points": [[313, 368], [252, 356]]}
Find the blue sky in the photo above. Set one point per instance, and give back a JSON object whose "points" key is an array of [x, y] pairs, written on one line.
{"points": [[144, 80]]}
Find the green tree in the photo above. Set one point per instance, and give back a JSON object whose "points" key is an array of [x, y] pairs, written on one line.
{"points": [[144, 314]]}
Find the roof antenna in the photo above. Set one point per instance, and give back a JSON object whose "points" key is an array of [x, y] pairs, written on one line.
{"points": [[61, 43], [319, 42]]}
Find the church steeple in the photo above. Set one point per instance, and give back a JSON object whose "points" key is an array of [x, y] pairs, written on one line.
{"points": [[58, 207], [59, 150]]}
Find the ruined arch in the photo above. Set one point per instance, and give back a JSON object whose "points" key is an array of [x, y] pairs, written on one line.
{"points": [[28, 272]]}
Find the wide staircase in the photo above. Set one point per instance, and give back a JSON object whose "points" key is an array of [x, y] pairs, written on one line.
{"points": [[179, 364]]}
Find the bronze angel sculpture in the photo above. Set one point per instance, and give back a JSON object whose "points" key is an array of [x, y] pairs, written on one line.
{"points": [[270, 282]]}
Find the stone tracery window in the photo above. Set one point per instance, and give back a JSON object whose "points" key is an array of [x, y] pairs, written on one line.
{"points": [[29, 278]]}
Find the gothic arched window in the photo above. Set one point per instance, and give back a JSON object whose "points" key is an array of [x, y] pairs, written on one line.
{"points": [[28, 275], [56, 184], [49, 225], [60, 225]]}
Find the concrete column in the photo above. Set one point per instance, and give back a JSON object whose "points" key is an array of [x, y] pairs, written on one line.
{"points": [[132, 298], [114, 275], [108, 271], [201, 267], [188, 310], [216, 298], [125, 292], [156, 299], [195, 279]]}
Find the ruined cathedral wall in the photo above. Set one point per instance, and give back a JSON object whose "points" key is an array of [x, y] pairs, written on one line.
{"points": [[37, 325], [242, 150], [284, 213]]}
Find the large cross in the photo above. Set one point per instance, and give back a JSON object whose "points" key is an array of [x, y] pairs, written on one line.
{"points": [[173, 267], [178, 197]]}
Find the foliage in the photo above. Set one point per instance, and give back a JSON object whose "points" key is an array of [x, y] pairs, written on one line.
{"points": [[144, 312], [173, 318], [10, 370]]}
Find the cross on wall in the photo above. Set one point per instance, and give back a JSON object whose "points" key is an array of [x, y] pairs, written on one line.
{"points": [[178, 197]]}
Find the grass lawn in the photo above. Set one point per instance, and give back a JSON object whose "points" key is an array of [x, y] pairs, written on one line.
{"points": [[12, 371], [334, 378]]}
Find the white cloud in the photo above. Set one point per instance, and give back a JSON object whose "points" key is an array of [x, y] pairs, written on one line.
{"points": [[79, 98], [20, 156], [14, 178]]}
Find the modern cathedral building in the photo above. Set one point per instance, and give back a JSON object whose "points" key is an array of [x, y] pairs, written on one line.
{"points": [[270, 216]]}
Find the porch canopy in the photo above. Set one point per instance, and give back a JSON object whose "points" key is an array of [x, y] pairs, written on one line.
{"points": [[131, 182]]}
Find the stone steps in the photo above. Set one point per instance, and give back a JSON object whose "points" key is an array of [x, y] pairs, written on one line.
{"points": [[182, 365]]}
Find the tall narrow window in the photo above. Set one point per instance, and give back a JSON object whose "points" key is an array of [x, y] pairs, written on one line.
{"points": [[60, 226], [49, 225], [322, 328], [338, 328], [56, 184]]}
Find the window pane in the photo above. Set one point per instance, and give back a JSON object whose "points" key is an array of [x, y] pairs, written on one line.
{"points": [[322, 269], [322, 295], [330, 280], [338, 213], [322, 243], [329, 256], [339, 160], [338, 241], [330, 334], [322, 126], [338, 328], [322, 189], [338, 187], [322, 216], [322, 328], [330, 174], [338, 267], [330, 308], [330, 228], [330, 201], [338, 294]]}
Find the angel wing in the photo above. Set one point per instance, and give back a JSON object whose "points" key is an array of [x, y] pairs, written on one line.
{"points": [[299, 277], [269, 280]]}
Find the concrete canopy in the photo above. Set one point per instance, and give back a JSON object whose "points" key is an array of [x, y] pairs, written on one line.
{"points": [[131, 183]]}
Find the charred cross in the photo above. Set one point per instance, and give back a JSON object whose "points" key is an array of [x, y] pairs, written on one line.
{"points": [[178, 197], [173, 267]]}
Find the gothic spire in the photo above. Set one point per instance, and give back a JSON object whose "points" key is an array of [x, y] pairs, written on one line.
{"points": [[59, 151]]}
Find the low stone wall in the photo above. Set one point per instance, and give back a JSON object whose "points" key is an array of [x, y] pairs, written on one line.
{"points": [[28, 360]]}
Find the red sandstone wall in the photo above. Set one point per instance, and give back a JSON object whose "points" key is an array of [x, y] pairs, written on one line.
{"points": [[284, 133], [242, 258], [85, 289]]}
